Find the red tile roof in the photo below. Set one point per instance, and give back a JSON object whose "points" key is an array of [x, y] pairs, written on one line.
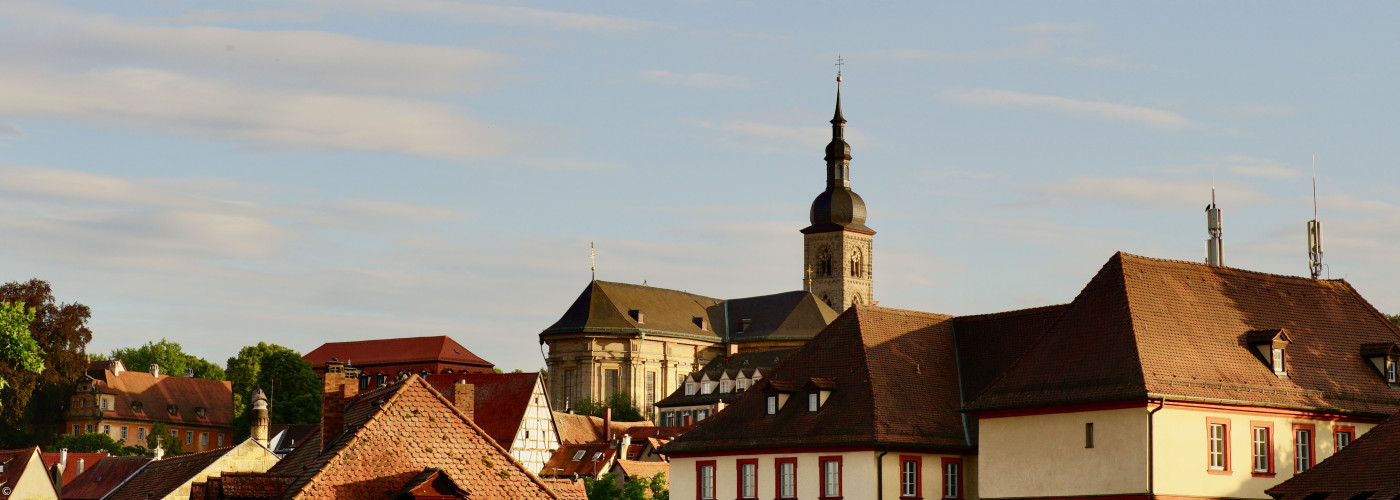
{"points": [[161, 477], [644, 469], [102, 477], [367, 353], [394, 432], [896, 385], [1367, 466], [594, 460], [70, 471], [1147, 328], [500, 402], [567, 488], [579, 429], [15, 462], [155, 394]]}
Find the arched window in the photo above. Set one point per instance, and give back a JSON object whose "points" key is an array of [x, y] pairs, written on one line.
{"points": [[857, 264], [823, 262], [857, 300]]}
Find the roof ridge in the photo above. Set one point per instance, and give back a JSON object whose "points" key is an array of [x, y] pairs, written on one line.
{"points": [[905, 311], [1233, 269], [1013, 312]]}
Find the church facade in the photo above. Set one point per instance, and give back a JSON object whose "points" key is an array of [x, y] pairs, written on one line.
{"points": [[644, 340]]}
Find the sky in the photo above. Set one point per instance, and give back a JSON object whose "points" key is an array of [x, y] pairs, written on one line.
{"points": [[305, 171]]}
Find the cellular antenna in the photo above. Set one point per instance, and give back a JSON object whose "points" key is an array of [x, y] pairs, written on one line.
{"points": [[1315, 232], [1215, 246]]}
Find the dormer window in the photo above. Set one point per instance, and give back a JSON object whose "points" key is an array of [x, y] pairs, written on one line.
{"points": [[1384, 357], [706, 388], [819, 390], [199, 411], [724, 386], [690, 388], [1271, 345], [637, 315], [171, 409], [742, 384], [772, 405], [813, 402], [701, 322]]}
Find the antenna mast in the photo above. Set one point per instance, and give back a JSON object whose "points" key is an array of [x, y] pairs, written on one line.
{"points": [[1315, 232], [1215, 246]]}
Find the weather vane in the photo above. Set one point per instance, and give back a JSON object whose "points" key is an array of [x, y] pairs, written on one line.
{"points": [[839, 63], [593, 261]]}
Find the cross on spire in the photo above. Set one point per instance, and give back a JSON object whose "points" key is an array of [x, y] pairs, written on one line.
{"points": [[593, 261], [839, 63]]}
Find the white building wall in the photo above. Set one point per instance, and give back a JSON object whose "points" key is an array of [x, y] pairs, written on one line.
{"points": [[536, 439]]}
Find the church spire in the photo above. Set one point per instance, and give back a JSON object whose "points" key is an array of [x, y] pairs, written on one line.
{"points": [[838, 152]]}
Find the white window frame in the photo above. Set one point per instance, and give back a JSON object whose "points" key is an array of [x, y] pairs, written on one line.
{"points": [[748, 480], [908, 478], [1278, 360], [706, 388], [1343, 439], [831, 479], [707, 482], [690, 388], [1390, 371], [813, 402], [772, 405], [1302, 446], [1217, 446], [787, 480], [952, 479], [1262, 453]]}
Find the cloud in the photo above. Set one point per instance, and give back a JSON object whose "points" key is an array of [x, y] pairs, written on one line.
{"points": [[496, 14], [1242, 166], [1139, 191], [164, 102], [1044, 28], [708, 80], [10, 130], [1155, 118], [215, 16], [770, 137], [43, 36]]}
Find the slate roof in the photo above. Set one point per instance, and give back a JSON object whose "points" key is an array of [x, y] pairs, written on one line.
{"points": [[71, 470], [732, 365], [391, 434], [604, 307], [500, 400], [1146, 328], [102, 477], [155, 393], [1368, 468], [370, 353], [161, 477], [895, 379], [577, 429]]}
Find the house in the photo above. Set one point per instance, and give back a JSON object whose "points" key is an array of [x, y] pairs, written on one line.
{"points": [[628, 469], [171, 478], [72, 464], [381, 361], [22, 476], [125, 404], [511, 407], [867, 409], [705, 392], [1366, 469], [102, 477], [402, 440]]}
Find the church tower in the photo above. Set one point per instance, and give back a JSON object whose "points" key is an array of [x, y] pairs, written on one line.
{"points": [[837, 247]]}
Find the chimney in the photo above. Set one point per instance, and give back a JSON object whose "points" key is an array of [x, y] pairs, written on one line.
{"points": [[56, 473], [189, 372], [607, 425], [732, 349], [623, 446], [261, 422], [337, 390], [80, 467], [155, 370], [160, 452], [464, 398], [63, 458]]}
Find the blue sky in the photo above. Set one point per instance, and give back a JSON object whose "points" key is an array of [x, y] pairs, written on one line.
{"points": [[304, 171]]}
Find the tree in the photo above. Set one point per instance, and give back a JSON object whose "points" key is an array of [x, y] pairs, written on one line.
{"points": [[1394, 318], [17, 346], [659, 489], [603, 488], [60, 331], [624, 408], [94, 442], [171, 358], [160, 436], [293, 389]]}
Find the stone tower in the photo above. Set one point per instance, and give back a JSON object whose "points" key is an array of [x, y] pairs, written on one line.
{"points": [[837, 247]]}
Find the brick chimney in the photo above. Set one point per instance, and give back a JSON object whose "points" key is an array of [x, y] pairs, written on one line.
{"points": [[155, 370], [464, 398], [607, 425], [336, 392]]}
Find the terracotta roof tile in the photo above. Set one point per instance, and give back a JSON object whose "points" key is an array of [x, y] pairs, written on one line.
{"points": [[895, 384], [161, 477], [102, 477], [70, 471], [593, 459], [500, 401], [1147, 327], [567, 488], [579, 429], [1367, 465], [644, 469], [155, 394], [366, 353]]}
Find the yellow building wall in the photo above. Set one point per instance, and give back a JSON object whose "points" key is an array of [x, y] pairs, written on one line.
{"points": [[249, 456], [1045, 455], [858, 473], [1182, 451], [34, 484]]}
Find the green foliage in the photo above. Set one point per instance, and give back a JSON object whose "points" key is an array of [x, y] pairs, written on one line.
{"points": [[1394, 318], [17, 347], [160, 436], [171, 358], [293, 389], [34, 399], [659, 489], [603, 488], [636, 488], [95, 442], [624, 408]]}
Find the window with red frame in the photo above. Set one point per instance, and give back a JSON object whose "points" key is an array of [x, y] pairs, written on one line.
{"points": [[748, 478], [787, 477], [910, 476], [831, 477], [1303, 449], [1343, 435], [705, 480], [1218, 445], [952, 478], [1261, 436]]}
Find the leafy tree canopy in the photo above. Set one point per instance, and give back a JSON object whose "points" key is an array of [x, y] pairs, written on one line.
{"points": [[293, 390], [95, 442], [17, 347], [160, 436], [637, 488], [61, 334], [624, 408], [171, 358], [1394, 318]]}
